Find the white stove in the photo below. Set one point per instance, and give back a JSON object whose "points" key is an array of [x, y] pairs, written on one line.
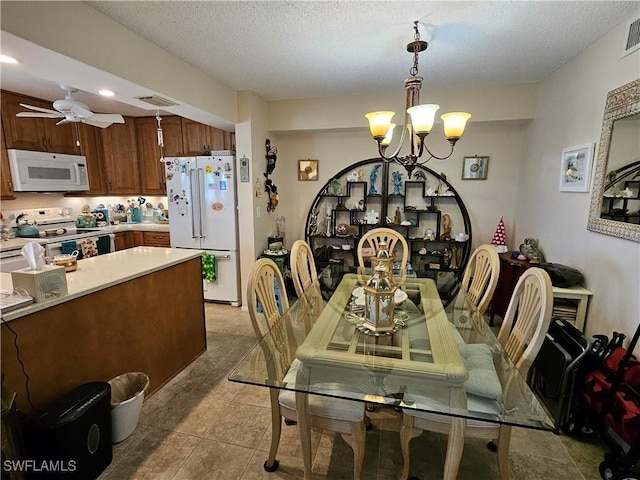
{"points": [[56, 225]]}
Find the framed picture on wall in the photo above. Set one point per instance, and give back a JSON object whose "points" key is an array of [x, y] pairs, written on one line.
{"points": [[475, 168], [575, 168], [307, 170]]}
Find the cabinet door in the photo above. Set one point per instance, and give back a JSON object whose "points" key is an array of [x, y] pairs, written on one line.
{"points": [[61, 138], [229, 141], [152, 170], [6, 187], [216, 137], [122, 240], [137, 239], [172, 136], [22, 133], [195, 137], [121, 158], [91, 148]]}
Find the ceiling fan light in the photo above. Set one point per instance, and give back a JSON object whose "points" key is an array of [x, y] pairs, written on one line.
{"points": [[8, 59], [454, 123], [389, 136], [106, 92], [422, 117], [379, 123]]}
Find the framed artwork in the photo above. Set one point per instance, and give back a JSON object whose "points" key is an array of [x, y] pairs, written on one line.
{"points": [[575, 168], [475, 168], [307, 170]]}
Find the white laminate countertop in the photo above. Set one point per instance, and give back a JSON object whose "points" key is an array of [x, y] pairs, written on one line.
{"points": [[103, 271]]}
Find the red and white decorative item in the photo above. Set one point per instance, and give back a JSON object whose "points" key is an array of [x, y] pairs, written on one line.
{"points": [[499, 238]]}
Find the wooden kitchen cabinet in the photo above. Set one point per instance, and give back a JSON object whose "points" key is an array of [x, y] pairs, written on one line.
{"points": [[195, 137], [129, 239], [91, 148], [121, 158], [151, 169], [198, 138], [39, 134], [156, 239], [6, 186]]}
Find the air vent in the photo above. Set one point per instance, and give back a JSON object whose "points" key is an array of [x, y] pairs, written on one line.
{"points": [[632, 40], [157, 101]]}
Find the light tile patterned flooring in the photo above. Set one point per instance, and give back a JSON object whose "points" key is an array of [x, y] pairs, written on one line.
{"points": [[201, 426]]}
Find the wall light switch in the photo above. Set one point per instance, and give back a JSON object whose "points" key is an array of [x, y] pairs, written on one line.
{"points": [[258, 213]]}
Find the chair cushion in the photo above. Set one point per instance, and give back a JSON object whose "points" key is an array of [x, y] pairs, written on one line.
{"points": [[479, 407], [322, 406], [483, 379]]}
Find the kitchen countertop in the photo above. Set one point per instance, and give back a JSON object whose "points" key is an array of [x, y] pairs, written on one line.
{"points": [[19, 242], [103, 271]]}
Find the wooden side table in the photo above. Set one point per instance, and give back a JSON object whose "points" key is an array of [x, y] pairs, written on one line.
{"points": [[510, 271]]}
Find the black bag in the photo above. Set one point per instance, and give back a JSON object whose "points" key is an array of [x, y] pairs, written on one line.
{"points": [[561, 275]]}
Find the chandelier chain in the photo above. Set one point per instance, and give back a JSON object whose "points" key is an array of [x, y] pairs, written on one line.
{"points": [[416, 49]]}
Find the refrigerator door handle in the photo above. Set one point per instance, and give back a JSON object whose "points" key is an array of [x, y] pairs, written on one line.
{"points": [[194, 201], [202, 186], [223, 257]]}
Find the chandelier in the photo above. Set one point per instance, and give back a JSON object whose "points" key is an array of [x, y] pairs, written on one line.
{"points": [[418, 119]]}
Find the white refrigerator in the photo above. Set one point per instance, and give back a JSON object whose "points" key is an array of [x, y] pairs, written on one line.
{"points": [[202, 203]]}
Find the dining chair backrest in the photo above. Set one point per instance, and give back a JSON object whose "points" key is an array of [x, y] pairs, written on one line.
{"points": [[392, 238], [264, 278], [303, 267], [481, 276], [527, 319]]}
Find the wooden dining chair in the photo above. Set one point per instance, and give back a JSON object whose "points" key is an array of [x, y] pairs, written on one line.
{"points": [[342, 416], [392, 238], [481, 277], [303, 267], [521, 334]]}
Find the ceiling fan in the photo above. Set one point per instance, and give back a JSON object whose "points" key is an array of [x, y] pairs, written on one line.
{"points": [[72, 111]]}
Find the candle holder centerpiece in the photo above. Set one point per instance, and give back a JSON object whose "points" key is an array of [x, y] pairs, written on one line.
{"points": [[379, 294]]}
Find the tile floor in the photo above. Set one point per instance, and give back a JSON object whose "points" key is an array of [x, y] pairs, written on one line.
{"points": [[201, 426]]}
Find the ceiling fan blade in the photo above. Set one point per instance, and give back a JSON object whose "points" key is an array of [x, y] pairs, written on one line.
{"points": [[95, 123], [39, 115], [63, 121], [37, 109], [80, 111], [107, 117]]}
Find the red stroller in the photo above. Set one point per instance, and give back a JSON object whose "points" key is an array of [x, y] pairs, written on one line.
{"points": [[611, 395]]}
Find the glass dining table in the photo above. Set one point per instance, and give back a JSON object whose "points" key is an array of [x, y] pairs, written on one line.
{"points": [[422, 364]]}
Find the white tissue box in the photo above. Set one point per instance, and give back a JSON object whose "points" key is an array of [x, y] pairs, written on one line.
{"points": [[42, 285]]}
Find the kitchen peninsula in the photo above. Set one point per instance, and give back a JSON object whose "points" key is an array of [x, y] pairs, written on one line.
{"points": [[139, 309]]}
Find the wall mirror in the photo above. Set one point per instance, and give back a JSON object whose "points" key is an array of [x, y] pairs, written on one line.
{"points": [[615, 198]]}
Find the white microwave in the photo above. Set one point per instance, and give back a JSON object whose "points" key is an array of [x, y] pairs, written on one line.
{"points": [[47, 172]]}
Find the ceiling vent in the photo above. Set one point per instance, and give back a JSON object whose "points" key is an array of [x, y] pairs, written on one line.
{"points": [[632, 40], [157, 101]]}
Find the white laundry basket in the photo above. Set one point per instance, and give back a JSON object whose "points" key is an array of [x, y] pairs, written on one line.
{"points": [[127, 395]]}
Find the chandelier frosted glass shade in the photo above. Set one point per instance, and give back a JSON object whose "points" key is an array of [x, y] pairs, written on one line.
{"points": [[422, 117], [454, 124], [389, 136], [379, 123]]}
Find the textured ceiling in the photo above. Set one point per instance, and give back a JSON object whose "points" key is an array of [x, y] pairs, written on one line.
{"points": [[308, 49], [301, 49]]}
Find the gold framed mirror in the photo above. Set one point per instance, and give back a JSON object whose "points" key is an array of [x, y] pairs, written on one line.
{"points": [[615, 197]]}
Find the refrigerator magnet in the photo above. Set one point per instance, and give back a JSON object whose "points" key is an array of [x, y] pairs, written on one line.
{"points": [[208, 169], [217, 206], [223, 185]]}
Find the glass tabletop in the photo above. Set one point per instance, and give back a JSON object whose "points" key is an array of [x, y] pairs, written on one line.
{"points": [[434, 360]]}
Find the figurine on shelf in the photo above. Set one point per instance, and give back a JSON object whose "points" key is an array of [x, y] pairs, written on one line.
{"points": [[335, 188], [313, 222], [328, 220], [397, 218], [446, 227], [530, 250], [419, 175], [397, 182], [372, 180]]}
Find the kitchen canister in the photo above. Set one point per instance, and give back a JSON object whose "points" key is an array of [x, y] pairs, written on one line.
{"points": [[136, 214]]}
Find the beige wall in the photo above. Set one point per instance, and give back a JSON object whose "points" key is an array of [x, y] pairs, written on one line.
{"points": [[570, 110]]}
